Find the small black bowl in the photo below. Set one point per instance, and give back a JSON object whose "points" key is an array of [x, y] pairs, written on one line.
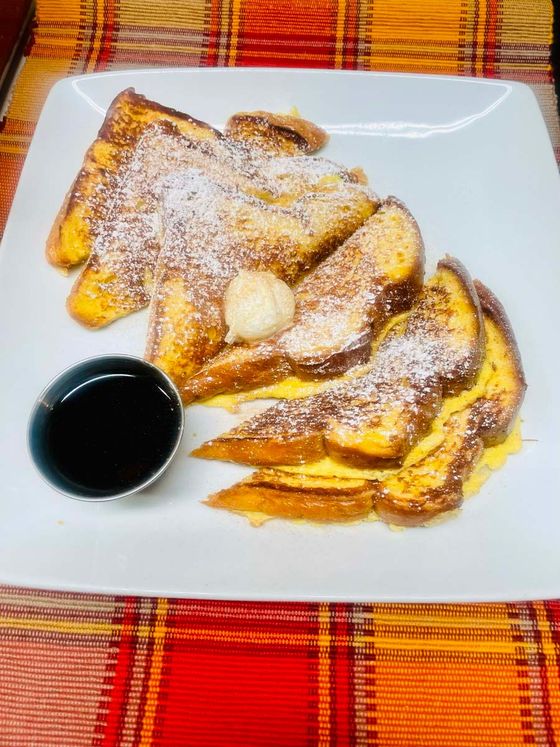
{"points": [[105, 427]]}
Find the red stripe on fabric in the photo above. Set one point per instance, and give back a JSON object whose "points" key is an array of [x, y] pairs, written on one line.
{"points": [[350, 44], [213, 33], [92, 33], [291, 48], [522, 671], [221, 697], [123, 668], [106, 50], [489, 53], [342, 674], [369, 661], [476, 21], [218, 687], [545, 689]]}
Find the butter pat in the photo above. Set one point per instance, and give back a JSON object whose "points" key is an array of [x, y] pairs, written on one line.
{"points": [[256, 306]]}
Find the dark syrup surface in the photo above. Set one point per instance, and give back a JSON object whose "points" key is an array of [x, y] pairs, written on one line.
{"points": [[112, 432]]}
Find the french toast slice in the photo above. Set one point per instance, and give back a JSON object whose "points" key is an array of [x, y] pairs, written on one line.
{"points": [[282, 495], [118, 276], [276, 133], [211, 233], [416, 494], [85, 206], [376, 419], [76, 225], [433, 486], [340, 306]]}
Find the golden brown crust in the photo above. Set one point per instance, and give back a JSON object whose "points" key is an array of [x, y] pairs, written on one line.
{"points": [[279, 134], [297, 497], [376, 418], [498, 413], [414, 496], [466, 372], [71, 237], [261, 364], [417, 494], [187, 325], [118, 277], [340, 305], [434, 486]]}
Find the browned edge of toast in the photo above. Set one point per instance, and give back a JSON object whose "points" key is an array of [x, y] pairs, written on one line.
{"points": [[106, 133], [255, 443], [465, 378], [276, 132], [494, 430], [488, 422]]}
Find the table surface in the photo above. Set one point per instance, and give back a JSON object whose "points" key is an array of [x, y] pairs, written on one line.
{"points": [[95, 670]]}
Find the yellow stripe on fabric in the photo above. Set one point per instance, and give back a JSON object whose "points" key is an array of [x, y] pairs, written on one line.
{"points": [[158, 632], [442, 645], [324, 697], [34, 82], [145, 631], [340, 25], [234, 31], [382, 642], [49, 11], [161, 14]]}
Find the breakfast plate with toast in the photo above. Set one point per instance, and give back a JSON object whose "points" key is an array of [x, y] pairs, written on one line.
{"points": [[348, 282]]}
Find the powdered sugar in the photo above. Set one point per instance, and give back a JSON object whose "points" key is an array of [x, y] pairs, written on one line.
{"points": [[396, 396], [195, 178]]}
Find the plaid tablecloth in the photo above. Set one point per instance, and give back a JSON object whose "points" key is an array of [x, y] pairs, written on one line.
{"points": [[94, 670]]}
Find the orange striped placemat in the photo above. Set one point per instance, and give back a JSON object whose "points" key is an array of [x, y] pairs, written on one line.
{"points": [[95, 670]]}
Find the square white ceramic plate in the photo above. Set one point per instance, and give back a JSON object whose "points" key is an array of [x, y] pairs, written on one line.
{"points": [[473, 161]]}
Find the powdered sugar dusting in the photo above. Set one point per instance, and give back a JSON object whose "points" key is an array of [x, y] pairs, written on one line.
{"points": [[396, 396], [169, 167]]}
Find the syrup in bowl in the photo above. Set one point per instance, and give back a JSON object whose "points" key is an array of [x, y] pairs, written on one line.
{"points": [[106, 428]]}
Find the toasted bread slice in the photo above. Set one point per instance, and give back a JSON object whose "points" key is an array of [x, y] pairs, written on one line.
{"points": [[377, 418], [276, 133], [435, 485], [118, 277], [496, 413], [340, 306], [416, 494], [76, 225], [85, 206], [281, 495], [211, 233]]}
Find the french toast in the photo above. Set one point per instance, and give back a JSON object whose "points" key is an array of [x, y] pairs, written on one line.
{"points": [[418, 493], [75, 227], [83, 210], [276, 133], [340, 306], [211, 232], [118, 276], [376, 418]]}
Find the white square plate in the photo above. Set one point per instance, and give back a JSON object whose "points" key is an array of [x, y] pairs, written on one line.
{"points": [[473, 161]]}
